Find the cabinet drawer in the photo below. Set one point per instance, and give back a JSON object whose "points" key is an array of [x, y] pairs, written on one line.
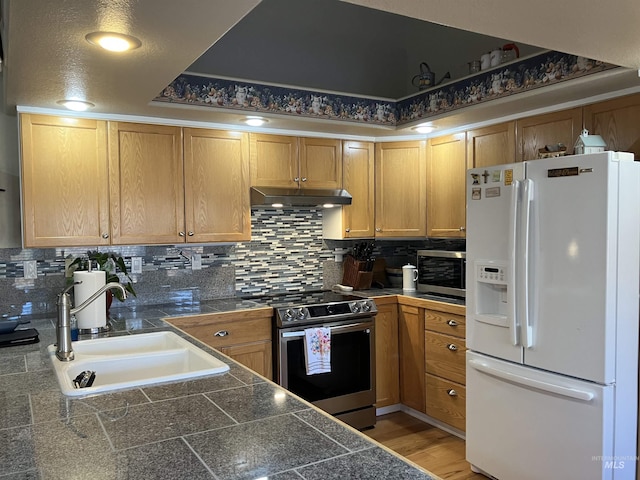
{"points": [[446, 401], [233, 332], [445, 356], [446, 323]]}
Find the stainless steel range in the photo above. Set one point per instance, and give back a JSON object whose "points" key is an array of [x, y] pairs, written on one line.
{"points": [[348, 390]]}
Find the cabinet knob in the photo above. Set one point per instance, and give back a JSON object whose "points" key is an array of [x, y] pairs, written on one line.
{"points": [[452, 347], [297, 179], [181, 234], [190, 234], [347, 230], [452, 393], [221, 333], [304, 179], [105, 235], [462, 229], [378, 229], [452, 323]]}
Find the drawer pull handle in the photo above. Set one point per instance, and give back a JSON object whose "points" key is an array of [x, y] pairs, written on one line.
{"points": [[221, 333], [452, 393], [452, 347], [452, 323]]}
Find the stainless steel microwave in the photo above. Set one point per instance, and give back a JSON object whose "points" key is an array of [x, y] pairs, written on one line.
{"points": [[442, 272]]}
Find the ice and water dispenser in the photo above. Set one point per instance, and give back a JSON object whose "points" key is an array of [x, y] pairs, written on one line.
{"points": [[492, 305]]}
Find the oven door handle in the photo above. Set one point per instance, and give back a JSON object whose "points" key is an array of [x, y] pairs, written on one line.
{"points": [[337, 327]]}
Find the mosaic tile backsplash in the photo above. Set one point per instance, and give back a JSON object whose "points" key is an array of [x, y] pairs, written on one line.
{"points": [[286, 253]]}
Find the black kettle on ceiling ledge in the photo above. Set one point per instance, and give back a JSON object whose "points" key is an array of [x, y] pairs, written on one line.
{"points": [[426, 78]]}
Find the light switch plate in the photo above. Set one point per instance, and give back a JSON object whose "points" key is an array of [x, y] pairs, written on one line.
{"points": [[136, 264], [30, 269], [196, 261]]}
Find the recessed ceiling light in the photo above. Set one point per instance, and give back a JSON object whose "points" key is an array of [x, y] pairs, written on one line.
{"points": [[255, 121], [114, 42], [424, 128], [76, 105]]}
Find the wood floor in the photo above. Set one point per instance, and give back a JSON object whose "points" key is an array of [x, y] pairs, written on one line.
{"points": [[431, 448]]}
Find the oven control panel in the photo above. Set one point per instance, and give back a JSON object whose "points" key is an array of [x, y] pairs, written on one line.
{"points": [[326, 312]]}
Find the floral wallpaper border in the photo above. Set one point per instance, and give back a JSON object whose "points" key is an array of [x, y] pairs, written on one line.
{"points": [[534, 72]]}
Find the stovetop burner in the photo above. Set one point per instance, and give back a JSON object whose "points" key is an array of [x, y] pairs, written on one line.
{"points": [[305, 308]]}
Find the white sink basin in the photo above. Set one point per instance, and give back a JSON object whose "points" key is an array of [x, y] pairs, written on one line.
{"points": [[133, 360]]}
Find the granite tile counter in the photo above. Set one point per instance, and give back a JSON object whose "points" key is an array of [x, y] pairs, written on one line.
{"points": [[236, 425]]}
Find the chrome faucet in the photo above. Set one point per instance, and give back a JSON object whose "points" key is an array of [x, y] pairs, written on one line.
{"points": [[64, 350]]}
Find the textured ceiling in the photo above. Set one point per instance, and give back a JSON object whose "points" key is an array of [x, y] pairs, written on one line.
{"points": [[47, 59]]}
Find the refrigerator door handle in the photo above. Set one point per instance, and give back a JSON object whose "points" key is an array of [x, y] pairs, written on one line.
{"points": [[511, 246], [569, 392], [523, 303]]}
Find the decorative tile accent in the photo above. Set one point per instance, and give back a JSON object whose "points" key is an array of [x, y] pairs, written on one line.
{"points": [[529, 73], [286, 253]]}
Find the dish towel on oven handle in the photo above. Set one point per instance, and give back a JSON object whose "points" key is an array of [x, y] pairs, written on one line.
{"points": [[317, 347]]}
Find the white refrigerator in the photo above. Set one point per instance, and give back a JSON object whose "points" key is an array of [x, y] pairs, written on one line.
{"points": [[553, 269]]}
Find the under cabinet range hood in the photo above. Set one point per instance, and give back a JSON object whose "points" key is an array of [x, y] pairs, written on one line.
{"points": [[298, 197]]}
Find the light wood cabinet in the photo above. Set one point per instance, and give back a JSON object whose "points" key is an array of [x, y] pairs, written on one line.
{"points": [[243, 335], [216, 177], [146, 184], [446, 195], [65, 190], [411, 341], [401, 189], [445, 364], [533, 133], [274, 160], [489, 146], [387, 356], [292, 162], [355, 220], [320, 163], [617, 121]]}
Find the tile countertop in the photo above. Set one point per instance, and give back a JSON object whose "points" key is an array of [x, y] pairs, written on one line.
{"points": [[236, 425]]}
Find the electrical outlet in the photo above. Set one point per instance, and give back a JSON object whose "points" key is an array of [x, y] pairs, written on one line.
{"points": [[30, 269], [136, 264], [196, 261]]}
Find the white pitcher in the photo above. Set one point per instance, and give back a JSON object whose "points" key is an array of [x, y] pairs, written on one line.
{"points": [[409, 278]]}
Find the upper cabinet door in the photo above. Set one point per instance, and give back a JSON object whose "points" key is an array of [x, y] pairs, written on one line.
{"points": [[617, 121], [146, 184], [64, 181], [401, 189], [358, 179], [494, 145], [320, 163], [446, 173], [274, 161], [534, 133], [216, 174]]}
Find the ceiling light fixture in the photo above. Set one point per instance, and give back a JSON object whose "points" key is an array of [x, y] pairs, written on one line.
{"points": [[114, 42], [255, 121], [76, 105], [424, 128]]}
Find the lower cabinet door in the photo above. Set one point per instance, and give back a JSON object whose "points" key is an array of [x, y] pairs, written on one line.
{"points": [[256, 356], [446, 401]]}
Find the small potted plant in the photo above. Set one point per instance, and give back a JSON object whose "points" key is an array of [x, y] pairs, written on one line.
{"points": [[111, 264]]}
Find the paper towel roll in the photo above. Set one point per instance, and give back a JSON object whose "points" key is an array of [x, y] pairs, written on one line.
{"points": [[95, 314]]}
